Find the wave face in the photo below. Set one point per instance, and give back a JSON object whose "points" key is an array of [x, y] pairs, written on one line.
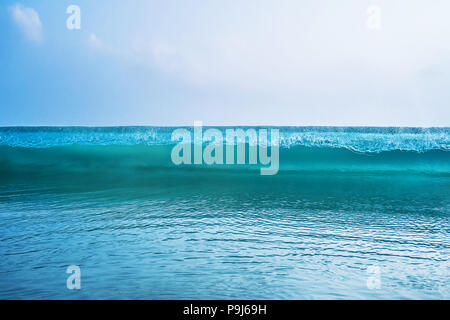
{"points": [[332, 149]]}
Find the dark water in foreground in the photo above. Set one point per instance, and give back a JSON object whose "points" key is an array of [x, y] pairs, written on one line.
{"points": [[142, 230]]}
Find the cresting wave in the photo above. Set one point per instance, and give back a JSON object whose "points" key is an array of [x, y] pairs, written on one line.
{"points": [[359, 139], [126, 151]]}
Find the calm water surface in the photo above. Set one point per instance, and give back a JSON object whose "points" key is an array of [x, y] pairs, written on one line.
{"points": [[197, 235]]}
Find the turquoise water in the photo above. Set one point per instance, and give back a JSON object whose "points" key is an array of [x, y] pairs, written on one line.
{"points": [[110, 201]]}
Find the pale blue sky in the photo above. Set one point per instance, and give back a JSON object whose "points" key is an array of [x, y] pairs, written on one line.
{"points": [[233, 62]]}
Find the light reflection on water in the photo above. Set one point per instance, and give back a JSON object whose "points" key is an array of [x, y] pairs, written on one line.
{"points": [[244, 237]]}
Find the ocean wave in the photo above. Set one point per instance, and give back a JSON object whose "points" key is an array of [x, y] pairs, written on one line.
{"points": [[358, 139]]}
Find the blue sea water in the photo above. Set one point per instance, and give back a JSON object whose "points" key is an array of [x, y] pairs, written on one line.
{"points": [[345, 200]]}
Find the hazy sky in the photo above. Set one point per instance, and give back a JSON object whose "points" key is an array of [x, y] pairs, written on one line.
{"points": [[227, 62]]}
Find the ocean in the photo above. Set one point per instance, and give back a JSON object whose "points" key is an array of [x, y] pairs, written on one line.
{"points": [[353, 213]]}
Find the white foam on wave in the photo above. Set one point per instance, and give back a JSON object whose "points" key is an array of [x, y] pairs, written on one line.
{"points": [[359, 139]]}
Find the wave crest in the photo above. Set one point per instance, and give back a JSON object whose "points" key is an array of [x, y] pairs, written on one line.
{"points": [[359, 139]]}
